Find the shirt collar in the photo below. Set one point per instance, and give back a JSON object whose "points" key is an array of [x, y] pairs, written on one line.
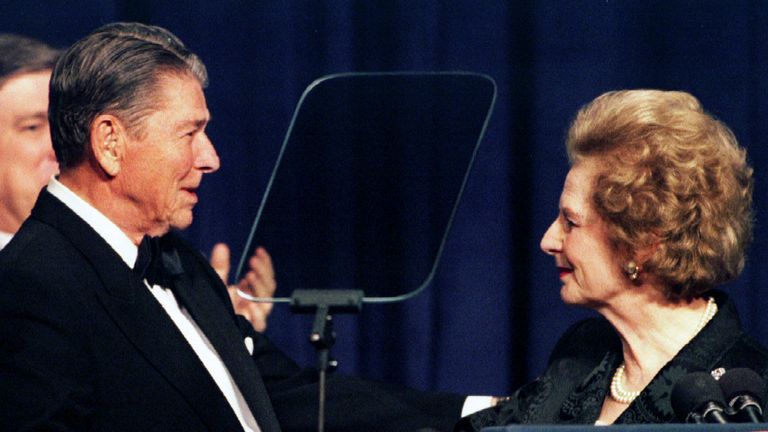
{"points": [[107, 229]]}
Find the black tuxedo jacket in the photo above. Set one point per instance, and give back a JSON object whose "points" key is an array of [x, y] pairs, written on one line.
{"points": [[575, 384], [85, 346]]}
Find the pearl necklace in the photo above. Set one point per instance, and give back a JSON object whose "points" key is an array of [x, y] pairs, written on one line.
{"points": [[622, 396]]}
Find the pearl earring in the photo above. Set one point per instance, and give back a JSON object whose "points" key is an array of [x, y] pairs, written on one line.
{"points": [[632, 270]]}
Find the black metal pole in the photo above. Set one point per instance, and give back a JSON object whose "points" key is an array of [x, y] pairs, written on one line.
{"points": [[323, 303]]}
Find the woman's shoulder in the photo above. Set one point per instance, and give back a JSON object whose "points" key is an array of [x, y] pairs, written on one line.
{"points": [[727, 340], [749, 353]]}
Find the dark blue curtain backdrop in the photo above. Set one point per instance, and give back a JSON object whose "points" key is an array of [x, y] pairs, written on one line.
{"points": [[493, 313]]}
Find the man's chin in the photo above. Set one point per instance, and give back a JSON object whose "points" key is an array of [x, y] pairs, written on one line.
{"points": [[181, 221]]}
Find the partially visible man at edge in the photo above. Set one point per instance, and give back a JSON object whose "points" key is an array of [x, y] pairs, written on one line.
{"points": [[108, 320], [27, 161]]}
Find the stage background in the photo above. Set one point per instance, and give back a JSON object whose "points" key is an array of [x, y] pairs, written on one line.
{"points": [[493, 313]]}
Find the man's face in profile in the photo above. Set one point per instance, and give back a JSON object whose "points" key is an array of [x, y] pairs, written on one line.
{"points": [[27, 160], [165, 163]]}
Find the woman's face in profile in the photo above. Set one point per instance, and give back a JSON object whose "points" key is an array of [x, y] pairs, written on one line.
{"points": [[578, 241]]}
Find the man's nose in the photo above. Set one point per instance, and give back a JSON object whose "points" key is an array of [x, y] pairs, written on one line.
{"points": [[206, 160]]}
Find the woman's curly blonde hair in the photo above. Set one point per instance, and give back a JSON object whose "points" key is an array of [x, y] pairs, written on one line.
{"points": [[673, 180]]}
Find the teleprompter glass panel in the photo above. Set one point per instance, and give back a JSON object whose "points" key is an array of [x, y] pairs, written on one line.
{"points": [[368, 179]]}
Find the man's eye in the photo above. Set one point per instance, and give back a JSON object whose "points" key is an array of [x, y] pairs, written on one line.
{"points": [[32, 127]]}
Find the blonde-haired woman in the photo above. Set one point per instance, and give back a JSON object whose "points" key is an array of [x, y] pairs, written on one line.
{"points": [[655, 213]]}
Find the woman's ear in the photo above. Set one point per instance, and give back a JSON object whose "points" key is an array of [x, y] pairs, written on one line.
{"points": [[108, 143], [645, 253]]}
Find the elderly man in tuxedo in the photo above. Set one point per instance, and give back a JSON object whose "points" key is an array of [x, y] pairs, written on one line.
{"points": [[108, 320], [27, 161]]}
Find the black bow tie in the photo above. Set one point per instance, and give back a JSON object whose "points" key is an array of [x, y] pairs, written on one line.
{"points": [[155, 265]]}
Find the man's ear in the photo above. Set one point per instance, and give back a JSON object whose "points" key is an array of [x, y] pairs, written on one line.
{"points": [[108, 143]]}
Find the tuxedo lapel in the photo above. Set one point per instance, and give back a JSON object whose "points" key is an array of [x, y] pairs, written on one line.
{"points": [[194, 290], [140, 317], [151, 330]]}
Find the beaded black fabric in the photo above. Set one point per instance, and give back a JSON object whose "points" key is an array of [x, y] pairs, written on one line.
{"points": [[578, 376]]}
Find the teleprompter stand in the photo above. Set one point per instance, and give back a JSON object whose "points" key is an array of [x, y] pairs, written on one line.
{"points": [[324, 304]]}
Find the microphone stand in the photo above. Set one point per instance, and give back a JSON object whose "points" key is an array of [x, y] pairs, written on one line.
{"points": [[323, 304]]}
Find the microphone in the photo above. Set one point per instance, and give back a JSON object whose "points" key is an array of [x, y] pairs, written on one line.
{"points": [[697, 398], [745, 392]]}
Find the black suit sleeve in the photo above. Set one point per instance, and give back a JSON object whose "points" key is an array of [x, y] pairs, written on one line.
{"points": [[352, 404]]}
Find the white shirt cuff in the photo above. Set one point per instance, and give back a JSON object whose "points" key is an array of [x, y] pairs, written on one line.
{"points": [[473, 404]]}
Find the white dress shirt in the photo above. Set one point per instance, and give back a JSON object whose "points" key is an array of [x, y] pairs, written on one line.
{"points": [[197, 340], [5, 238]]}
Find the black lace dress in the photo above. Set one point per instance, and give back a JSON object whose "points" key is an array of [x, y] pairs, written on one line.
{"points": [[578, 376]]}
